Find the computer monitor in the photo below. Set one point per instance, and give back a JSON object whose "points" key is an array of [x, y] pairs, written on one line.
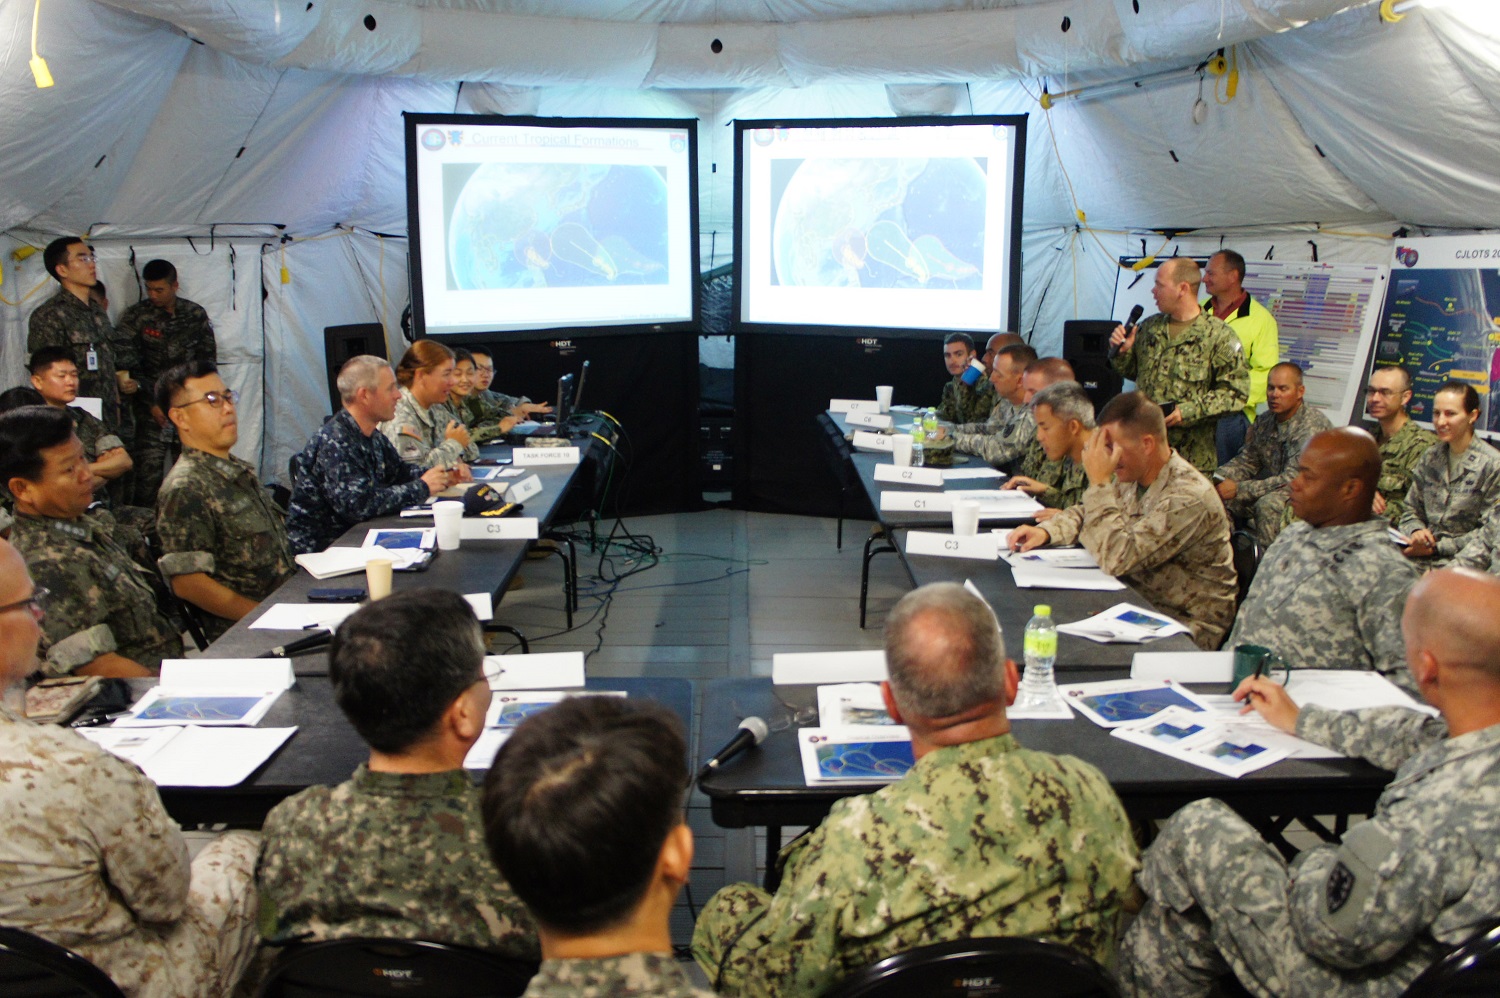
{"points": [[583, 375], [564, 407]]}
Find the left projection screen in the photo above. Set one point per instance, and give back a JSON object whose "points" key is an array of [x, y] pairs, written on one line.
{"points": [[523, 224]]}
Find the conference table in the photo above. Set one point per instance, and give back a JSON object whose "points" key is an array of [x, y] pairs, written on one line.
{"points": [[325, 748], [478, 566]]}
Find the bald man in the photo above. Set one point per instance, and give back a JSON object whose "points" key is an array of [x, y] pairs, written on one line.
{"points": [[1329, 591], [997, 343], [1366, 916], [1186, 359], [1255, 484]]}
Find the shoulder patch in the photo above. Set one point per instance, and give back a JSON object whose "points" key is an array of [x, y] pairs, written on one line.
{"points": [[411, 431], [1339, 887]]}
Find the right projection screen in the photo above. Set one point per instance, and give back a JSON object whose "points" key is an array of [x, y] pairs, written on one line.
{"points": [[877, 225]]}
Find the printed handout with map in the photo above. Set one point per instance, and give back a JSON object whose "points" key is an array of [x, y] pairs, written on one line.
{"points": [[1126, 701]]}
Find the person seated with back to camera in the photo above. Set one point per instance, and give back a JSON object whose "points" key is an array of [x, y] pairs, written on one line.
{"points": [[1454, 485], [398, 850], [424, 430]]}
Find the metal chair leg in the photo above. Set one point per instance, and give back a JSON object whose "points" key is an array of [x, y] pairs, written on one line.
{"points": [[507, 629]]}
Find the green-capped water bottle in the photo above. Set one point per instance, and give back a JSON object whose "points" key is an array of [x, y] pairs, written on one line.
{"points": [[1039, 684]]}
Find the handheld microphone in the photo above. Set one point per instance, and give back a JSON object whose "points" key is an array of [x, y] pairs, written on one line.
{"points": [[300, 645], [752, 732], [1135, 316]]}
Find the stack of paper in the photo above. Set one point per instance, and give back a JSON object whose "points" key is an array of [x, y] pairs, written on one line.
{"points": [[192, 756], [980, 472], [1124, 701], [1039, 575], [337, 561], [1124, 623], [1000, 504], [857, 706], [869, 755], [207, 691], [304, 616], [1204, 740]]}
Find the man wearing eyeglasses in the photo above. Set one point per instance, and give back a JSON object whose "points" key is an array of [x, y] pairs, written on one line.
{"points": [[102, 615], [1401, 441], [223, 540], [91, 860], [70, 319]]}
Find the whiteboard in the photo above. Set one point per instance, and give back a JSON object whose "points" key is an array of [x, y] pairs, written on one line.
{"points": [[1326, 316]]}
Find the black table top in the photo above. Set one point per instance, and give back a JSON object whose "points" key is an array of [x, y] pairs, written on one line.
{"points": [[765, 786], [325, 749], [485, 566]]}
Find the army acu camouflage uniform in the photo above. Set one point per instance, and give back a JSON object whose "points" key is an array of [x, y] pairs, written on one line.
{"points": [[1331, 598], [1482, 552], [1452, 508], [962, 404], [635, 975], [101, 599], [65, 321], [1003, 438], [343, 477], [417, 431], [90, 859], [1362, 918], [1264, 470], [980, 839], [1399, 454], [1203, 370], [388, 854], [152, 341], [1170, 541], [214, 517]]}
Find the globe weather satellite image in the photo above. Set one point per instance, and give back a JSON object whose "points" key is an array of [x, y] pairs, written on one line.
{"points": [[884, 223], [534, 225]]}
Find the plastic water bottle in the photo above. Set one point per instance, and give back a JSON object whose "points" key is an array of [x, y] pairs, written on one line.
{"points": [[918, 439], [930, 421], [1038, 684]]}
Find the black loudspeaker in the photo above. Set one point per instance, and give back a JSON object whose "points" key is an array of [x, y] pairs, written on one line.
{"points": [[342, 342], [1086, 347]]}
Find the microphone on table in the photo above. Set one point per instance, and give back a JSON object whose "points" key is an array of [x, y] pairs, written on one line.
{"points": [[1135, 316], [752, 732], [299, 646]]}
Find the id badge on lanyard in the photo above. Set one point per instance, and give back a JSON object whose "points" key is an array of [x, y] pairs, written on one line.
{"points": [[91, 359]]}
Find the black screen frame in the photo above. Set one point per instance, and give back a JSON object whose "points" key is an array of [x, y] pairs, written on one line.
{"points": [[1011, 321], [414, 122]]}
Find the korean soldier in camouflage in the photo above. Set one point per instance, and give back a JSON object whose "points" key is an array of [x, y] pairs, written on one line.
{"points": [[1329, 592], [981, 838], [398, 850], [1002, 439], [1454, 485], [961, 403], [1254, 484], [1186, 357], [1402, 442], [70, 319], [583, 816], [1150, 518], [349, 472], [223, 541], [1064, 419], [1365, 916], [89, 858], [485, 418], [102, 612], [506, 405], [156, 334]]}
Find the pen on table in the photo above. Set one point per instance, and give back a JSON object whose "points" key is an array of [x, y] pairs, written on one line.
{"points": [[98, 719]]}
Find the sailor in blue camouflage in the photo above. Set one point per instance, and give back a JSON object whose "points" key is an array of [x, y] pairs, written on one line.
{"points": [[343, 477]]}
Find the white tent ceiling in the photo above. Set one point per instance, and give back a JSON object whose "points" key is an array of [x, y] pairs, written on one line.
{"points": [[182, 117]]}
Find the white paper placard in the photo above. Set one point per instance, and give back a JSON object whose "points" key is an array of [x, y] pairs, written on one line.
{"points": [[981, 547], [227, 673], [853, 405], [1184, 666], [541, 671], [792, 668], [524, 489], [484, 607], [95, 407], [874, 420], [865, 440], [909, 476], [506, 528], [529, 456], [915, 502]]}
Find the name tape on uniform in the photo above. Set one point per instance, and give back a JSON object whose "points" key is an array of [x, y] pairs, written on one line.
{"points": [[528, 456], [507, 528], [980, 547], [909, 476]]}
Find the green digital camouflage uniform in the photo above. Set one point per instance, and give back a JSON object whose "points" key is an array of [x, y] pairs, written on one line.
{"points": [[1264, 469], [1398, 456], [1170, 541], [96, 437], [65, 321], [1003, 438], [636, 975], [980, 839], [962, 404], [214, 517], [91, 860], [1065, 478], [417, 433], [1452, 508], [481, 415], [101, 599], [152, 341], [1202, 370], [1359, 918], [388, 854], [1331, 598]]}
